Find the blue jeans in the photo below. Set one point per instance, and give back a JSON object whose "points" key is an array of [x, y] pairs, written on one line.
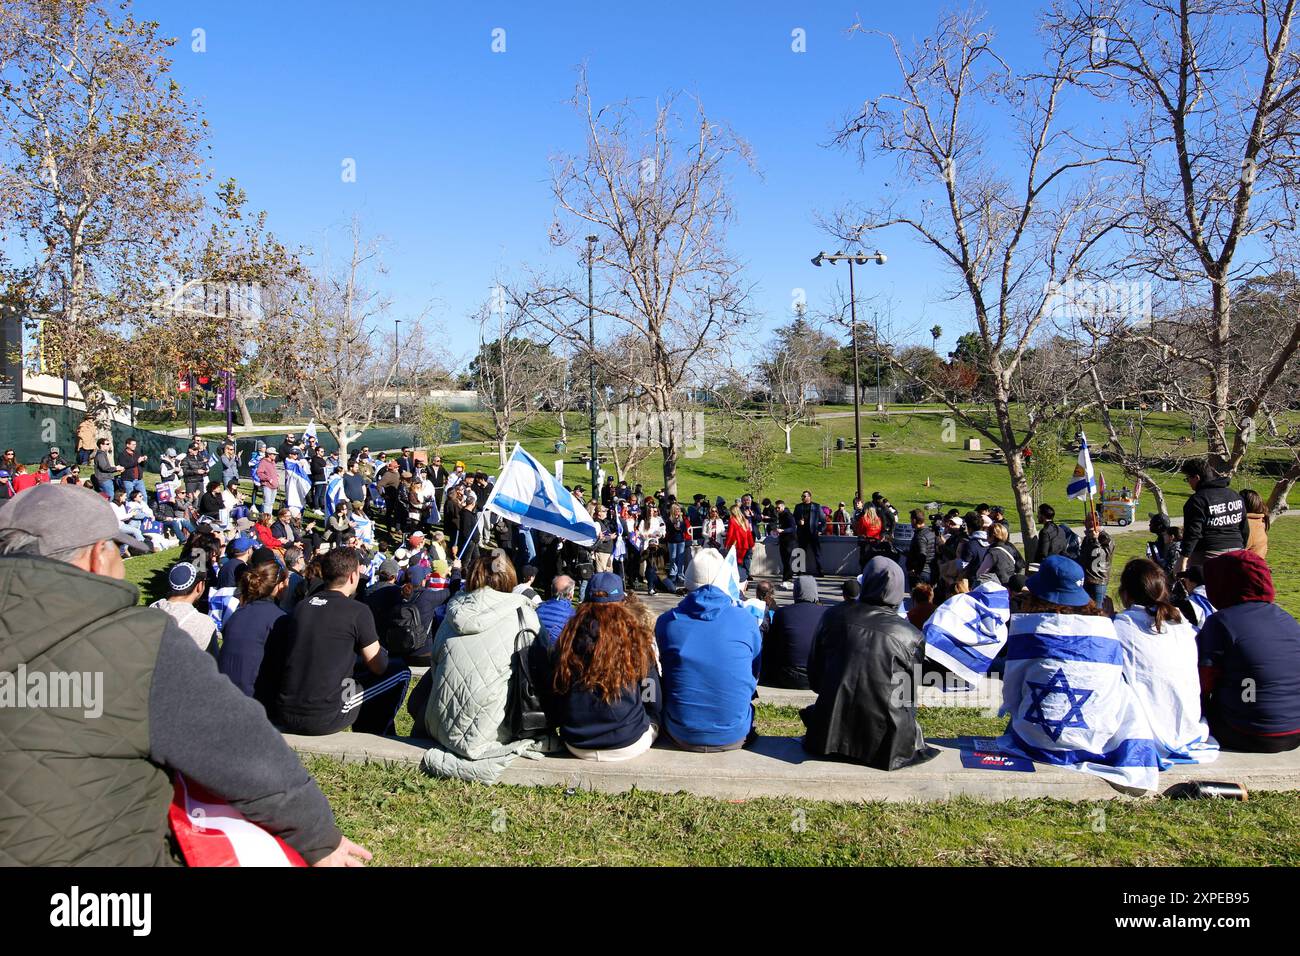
{"points": [[268, 500], [130, 485], [1097, 592], [105, 486], [677, 562]]}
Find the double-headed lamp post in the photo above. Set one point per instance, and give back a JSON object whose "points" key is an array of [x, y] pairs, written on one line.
{"points": [[591, 392], [852, 259]]}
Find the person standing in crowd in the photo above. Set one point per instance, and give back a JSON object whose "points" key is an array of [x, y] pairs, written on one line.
{"points": [[1164, 549], [710, 652], [87, 440], [810, 524], [268, 476], [354, 483], [316, 465], [332, 645], [786, 536], [1214, 517], [1002, 562], [1160, 661], [1096, 551], [185, 587], [194, 468], [923, 551], [105, 469], [714, 530], [439, 476], [740, 535], [788, 642], [133, 463], [1249, 658], [650, 528], [229, 463], [1258, 519], [605, 678], [165, 709], [676, 536], [863, 666], [246, 635], [1053, 538]]}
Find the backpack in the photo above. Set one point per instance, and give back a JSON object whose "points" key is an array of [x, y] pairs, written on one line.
{"points": [[524, 711], [407, 632]]}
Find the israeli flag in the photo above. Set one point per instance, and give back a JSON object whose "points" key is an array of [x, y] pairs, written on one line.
{"points": [[1069, 704], [1084, 482], [333, 493], [527, 494], [222, 602], [372, 569], [297, 484], [1200, 602], [310, 430], [365, 530], [966, 632], [253, 459], [733, 576]]}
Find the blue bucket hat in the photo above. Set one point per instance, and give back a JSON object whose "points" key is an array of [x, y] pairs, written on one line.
{"points": [[1060, 581], [610, 587]]}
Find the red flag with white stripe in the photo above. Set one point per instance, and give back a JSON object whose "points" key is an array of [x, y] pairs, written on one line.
{"points": [[210, 832]]}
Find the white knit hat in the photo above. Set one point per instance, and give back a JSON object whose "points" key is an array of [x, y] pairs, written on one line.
{"points": [[708, 567]]}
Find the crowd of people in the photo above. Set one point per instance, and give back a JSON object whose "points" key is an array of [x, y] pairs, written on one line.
{"points": [[534, 642]]}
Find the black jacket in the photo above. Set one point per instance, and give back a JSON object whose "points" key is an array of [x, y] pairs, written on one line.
{"points": [[921, 555], [1214, 519], [864, 662], [788, 644]]}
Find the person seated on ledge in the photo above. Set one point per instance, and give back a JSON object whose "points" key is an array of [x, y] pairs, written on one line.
{"points": [[863, 665], [605, 677], [1250, 658], [1160, 663], [463, 700], [710, 653], [788, 642]]}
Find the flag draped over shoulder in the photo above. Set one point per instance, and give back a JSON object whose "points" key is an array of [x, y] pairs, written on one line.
{"points": [[1084, 481], [333, 493], [210, 832], [222, 602], [297, 484], [527, 494], [1069, 704], [733, 580], [967, 631]]}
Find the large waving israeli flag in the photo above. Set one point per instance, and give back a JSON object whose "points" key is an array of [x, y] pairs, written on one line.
{"points": [[297, 484], [527, 494], [1069, 704], [333, 494], [967, 631], [1084, 482]]}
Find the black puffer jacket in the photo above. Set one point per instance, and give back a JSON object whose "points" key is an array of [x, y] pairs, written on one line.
{"points": [[863, 666], [1214, 519]]}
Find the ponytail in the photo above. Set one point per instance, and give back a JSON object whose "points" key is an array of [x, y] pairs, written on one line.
{"points": [[1143, 584]]}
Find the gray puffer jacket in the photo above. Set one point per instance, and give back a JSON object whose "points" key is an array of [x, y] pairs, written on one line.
{"points": [[470, 683]]}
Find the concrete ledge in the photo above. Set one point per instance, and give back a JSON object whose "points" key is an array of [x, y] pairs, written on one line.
{"points": [[778, 767]]}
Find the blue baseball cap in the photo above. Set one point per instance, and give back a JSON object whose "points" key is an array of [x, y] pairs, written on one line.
{"points": [[1060, 581], [605, 588], [243, 543]]}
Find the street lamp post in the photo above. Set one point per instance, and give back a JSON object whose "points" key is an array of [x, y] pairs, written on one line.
{"points": [[879, 259], [591, 358], [397, 402]]}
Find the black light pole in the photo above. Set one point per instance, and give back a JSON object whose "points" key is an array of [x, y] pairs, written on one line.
{"points": [[879, 259], [591, 393]]}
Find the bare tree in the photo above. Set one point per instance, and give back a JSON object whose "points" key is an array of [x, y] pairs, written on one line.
{"points": [[1009, 231], [657, 199], [99, 168], [793, 375], [336, 370], [1212, 150], [512, 372]]}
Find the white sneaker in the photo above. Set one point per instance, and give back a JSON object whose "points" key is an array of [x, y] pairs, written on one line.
{"points": [[787, 585]]}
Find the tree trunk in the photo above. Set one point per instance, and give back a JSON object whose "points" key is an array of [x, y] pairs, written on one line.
{"points": [[1217, 434], [670, 464], [1277, 503], [244, 414], [564, 428], [501, 451], [1024, 501], [786, 429]]}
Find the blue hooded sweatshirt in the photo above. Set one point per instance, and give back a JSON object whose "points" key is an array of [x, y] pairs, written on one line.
{"points": [[710, 650]]}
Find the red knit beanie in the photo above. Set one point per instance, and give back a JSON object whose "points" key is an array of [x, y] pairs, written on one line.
{"points": [[1237, 576]]}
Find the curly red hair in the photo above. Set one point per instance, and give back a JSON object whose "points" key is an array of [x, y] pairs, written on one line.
{"points": [[605, 648]]}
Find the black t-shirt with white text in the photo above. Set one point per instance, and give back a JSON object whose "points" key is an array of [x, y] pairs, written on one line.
{"points": [[329, 630]]}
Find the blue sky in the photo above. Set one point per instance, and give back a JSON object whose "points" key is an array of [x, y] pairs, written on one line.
{"points": [[451, 141]]}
